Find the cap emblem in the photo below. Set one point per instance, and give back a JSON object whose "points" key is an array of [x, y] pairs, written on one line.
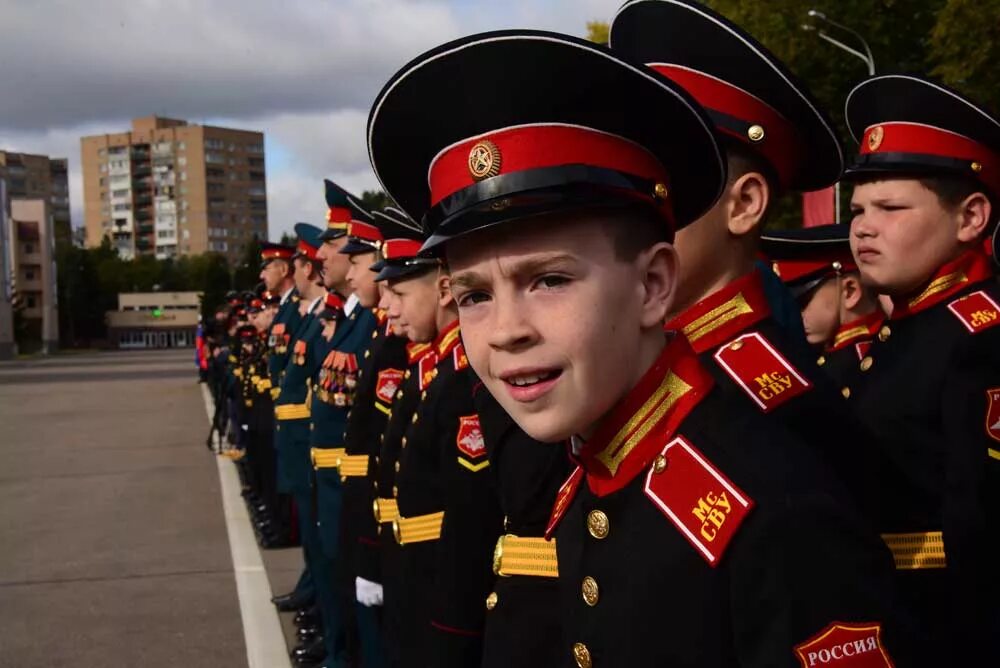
{"points": [[484, 160], [875, 138], [755, 133]]}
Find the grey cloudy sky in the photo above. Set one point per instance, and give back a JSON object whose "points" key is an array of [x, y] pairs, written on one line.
{"points": [[303, 71]]}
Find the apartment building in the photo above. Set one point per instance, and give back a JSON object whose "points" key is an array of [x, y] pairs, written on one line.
{"points": [[168, 188], [33, 270], [31, 176]]}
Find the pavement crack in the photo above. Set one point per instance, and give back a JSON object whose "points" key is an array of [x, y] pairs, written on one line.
{"points": [[116, 578]]}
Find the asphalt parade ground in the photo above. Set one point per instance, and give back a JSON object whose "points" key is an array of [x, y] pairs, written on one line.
{"points": [[123, 541]]}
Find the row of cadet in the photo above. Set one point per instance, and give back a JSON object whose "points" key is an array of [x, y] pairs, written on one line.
{"points": [[568, 404]]}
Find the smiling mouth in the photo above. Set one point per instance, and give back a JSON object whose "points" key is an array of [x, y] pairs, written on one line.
{"points": [[530, 379]]}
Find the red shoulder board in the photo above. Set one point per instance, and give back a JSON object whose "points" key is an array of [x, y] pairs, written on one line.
{"points": [[705, 505], [461, 361], [761, 371], [977, 311], [470, 441], [387, 383], [563, 499], [843, 645]]}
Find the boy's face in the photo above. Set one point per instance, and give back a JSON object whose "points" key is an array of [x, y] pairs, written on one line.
{"points": [[551, 321], [900, 234], [821, 313], [416, 306], [362, 279], [335, 264], [389, 302]]}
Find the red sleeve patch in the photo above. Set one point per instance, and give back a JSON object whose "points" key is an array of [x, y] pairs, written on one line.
{"points": [[388, 382], [470, 437], [701, 502], [993, 413], [761, 371], [977, 311], [842, 645], [563, 499]]}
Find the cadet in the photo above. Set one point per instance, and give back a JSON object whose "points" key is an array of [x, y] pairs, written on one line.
{"points": [[775, 138], [379, 378], [291, 407], [841, 316], [693, 531], [924, 206], [449, 518]]}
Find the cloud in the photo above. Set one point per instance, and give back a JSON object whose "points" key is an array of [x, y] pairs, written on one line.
{"points": [[302, 71]]}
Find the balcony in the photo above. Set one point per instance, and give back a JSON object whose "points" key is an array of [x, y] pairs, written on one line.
{"points": [[144, 214], [145, 228], [140, 170]]}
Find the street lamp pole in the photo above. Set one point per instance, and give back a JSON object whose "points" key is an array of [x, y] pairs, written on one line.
{"points": [[867, 57]]}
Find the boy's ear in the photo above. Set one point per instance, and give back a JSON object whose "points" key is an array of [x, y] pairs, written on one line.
{"points": [[850, 290], [658, 267], [974, 215], [749, 196], [443, 286]]}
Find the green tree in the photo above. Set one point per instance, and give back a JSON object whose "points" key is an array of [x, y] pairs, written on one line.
{"points": [[597, 31], [964, 48], [375, 200]]}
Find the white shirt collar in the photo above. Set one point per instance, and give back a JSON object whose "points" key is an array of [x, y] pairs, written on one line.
{"points": [[576, 444], [313, 303], [288, 293], [350, 304]]}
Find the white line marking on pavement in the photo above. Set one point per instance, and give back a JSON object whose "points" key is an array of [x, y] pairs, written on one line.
{"points": [[262, 632]]}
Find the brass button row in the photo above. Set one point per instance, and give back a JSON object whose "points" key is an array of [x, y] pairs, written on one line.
{"points": [[598, 524]]}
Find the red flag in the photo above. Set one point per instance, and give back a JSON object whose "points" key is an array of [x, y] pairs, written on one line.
{"points": [[818, 207]]}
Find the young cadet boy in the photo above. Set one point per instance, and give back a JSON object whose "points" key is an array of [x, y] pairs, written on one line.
{"points": [[924, 205], [379, 379], [775, 138], [292, 408], [399, 262], [449, 517], [841, 315], [693, 531]]}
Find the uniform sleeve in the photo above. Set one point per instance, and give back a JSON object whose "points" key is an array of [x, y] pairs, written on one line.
{"points": [[469, 533], [970, 410], [809, 584]]}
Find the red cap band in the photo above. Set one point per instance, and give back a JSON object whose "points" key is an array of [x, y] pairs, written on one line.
{"points": [[527, 147], [276, 253], [394, 249], [769, 134], [900, 137], [791, 271], [306, 249], [364, 231], [338, 217]]}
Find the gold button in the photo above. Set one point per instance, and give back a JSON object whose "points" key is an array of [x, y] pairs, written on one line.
{"points": [[590, 591], [581, 655], [846, 392], [407, 374], [376, 460], [976, 167], [660, 191], [866, 363], [403, 442], [395, 491], [883, 334], [597, 524], [821, 361], [397, 467], [368, 354], [755, 133], [414, 420], [491, 600], [423, 395], [399, 395], [736, 345], [659, 464]]}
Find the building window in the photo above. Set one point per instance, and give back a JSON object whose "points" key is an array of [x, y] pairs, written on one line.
{"points": [[122, 207], [255, 148], [29, 274], [103, 168], [29, 248], [101, 181], [180, 146], [184, 176], [215, 158], [215, 143], [182, 161], [102, 152], [31, 301], [185, 235], [118, 150], [119, 193]]}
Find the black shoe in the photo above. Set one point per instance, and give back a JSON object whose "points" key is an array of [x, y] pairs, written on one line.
{"points": [[307, 633], [292, 601], [309, 652]]}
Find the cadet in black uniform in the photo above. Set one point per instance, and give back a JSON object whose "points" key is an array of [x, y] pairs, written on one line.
{"points": [[400, 260], [694, 532], [841, 316], [775, 138], [379, 379], [924, 206]]}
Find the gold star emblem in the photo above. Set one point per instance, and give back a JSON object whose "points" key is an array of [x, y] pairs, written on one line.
{"points": [[484, 160]]}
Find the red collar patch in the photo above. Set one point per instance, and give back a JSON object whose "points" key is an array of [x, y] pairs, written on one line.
{"points": [[761, 371], [563, 498], [461, 361], [970, 267], [701, 502], [637, 427], [414, 351], [842, 645], [977, 311], [427, 368], [723, 314], [864, 328], [387, 384]]}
